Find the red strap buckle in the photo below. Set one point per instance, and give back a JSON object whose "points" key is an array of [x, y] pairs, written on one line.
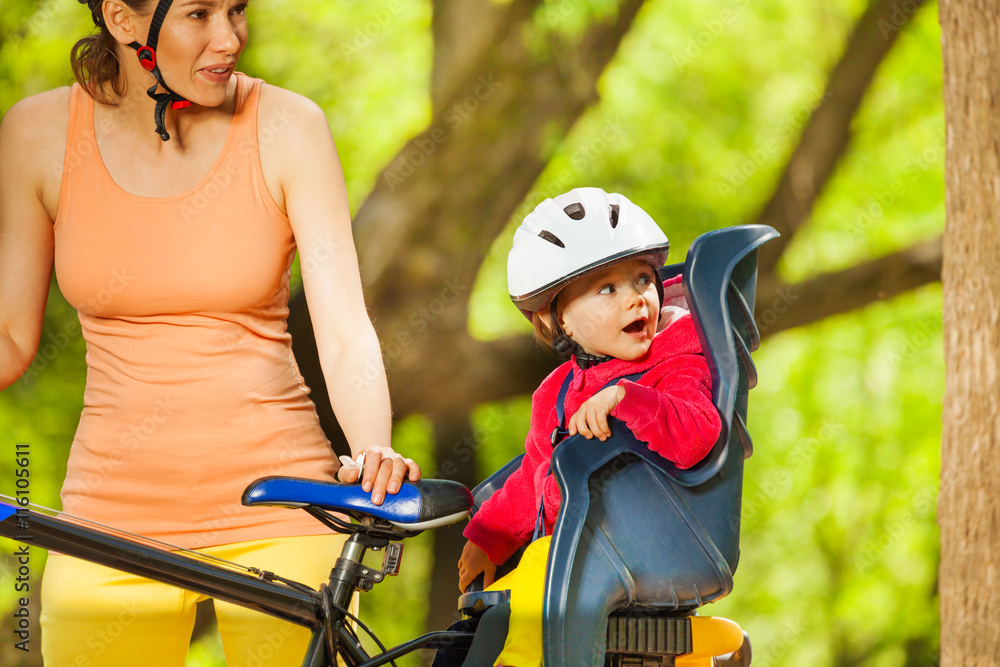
{"points": [[180, 104], [147, 58]]}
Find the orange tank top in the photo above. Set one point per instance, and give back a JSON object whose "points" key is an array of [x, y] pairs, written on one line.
{"points": [[192, 391]]}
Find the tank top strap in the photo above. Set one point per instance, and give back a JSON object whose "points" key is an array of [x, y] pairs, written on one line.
{"points": [[245, 147], [81, 145], [244, 139], [248, 92], [81, 109], [78, 127], [246, 100]]}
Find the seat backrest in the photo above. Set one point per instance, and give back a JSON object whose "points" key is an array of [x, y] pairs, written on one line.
{"points": [[720, 278], [633, 529]]}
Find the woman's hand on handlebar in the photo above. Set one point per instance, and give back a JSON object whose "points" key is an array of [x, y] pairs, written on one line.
{"points": [[382, 471]]}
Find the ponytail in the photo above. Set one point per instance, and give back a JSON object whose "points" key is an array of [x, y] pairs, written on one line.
{"points": [[95, 57]]}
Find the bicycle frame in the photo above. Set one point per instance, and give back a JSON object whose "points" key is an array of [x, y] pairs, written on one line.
{"points": [[262, 591]]}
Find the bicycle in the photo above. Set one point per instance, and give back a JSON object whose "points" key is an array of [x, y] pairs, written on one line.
{"points": [[324, 611], [621, 606], [425, 504]]}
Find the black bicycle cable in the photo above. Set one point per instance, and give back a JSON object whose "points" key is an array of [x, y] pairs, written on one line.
{"points": [[331, 640], [387, 531], [271, 576], [361, 625]]}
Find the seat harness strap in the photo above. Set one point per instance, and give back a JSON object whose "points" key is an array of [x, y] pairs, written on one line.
{"points": [[147, 58], [560, 432]]}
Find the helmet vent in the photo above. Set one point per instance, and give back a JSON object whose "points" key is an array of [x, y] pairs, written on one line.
{"points": [[614, 216], [551, 238], [575, 211]]}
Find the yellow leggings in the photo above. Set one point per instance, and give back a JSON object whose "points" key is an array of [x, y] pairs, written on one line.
{"points": [[96, 616], [523, 647]]}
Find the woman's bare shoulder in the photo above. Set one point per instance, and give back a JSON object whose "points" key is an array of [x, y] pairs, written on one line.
{"points": [[291, 131], [39, 122], [284, 112], [33, 114], [294, 137], [33, 133]]}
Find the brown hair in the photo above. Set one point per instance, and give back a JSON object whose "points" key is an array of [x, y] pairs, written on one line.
{"points": [[551, 337], [95, 58], [544, 336]]}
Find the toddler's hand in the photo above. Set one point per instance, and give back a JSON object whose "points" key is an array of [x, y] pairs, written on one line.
{"points": [[473, 561], [592, 417]]}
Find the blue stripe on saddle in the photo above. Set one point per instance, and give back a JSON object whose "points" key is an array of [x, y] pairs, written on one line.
{"points": [[418, 505], [7, 510]]}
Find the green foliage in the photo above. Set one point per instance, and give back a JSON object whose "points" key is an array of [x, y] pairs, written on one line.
{"points": [[35, 40], [698, 114], [559, 24], [839, 534], [366, 63]]}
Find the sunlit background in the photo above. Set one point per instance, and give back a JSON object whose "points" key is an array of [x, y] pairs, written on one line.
{"points": [[697, 116]]}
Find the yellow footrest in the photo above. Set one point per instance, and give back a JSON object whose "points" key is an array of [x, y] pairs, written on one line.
{"points": [[710, 637]]}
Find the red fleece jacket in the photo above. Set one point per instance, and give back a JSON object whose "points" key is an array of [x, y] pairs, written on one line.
{"points": [[670, 408]]}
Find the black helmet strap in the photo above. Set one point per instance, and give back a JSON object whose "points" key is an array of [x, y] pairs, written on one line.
{"points": [[563, 344], [147, 58]]}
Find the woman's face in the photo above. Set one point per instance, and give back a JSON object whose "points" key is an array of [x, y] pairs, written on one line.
{"points": [[200, 42]]}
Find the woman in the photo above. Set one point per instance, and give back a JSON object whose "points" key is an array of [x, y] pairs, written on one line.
{"points": [[175, 246]]}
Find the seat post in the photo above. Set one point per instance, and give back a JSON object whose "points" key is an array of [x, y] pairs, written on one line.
{"points": [[347, 576], [350, 573]]}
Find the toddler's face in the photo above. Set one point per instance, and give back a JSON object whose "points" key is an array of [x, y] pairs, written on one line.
{"points": [[614, 311]]}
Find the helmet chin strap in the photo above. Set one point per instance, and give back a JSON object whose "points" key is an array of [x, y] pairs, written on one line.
{"points": [[566, 346], [147, 58]]}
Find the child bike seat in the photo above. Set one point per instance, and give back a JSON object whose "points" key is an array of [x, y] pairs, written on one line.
{"points": [[637, 539], [429, 503]]}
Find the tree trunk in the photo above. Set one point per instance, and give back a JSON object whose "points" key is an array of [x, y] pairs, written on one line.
{"points": [[969, 502]]}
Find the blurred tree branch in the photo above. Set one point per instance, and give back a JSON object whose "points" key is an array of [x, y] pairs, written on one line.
{"points": [[499, 105], [463, 32], [828, 131], [441, 202], [781, 306]]}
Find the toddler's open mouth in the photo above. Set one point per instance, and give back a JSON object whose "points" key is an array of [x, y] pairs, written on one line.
{"points": [[636, 327]]}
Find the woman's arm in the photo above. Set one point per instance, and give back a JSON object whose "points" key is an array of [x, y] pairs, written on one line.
{"points": [[26, 237], [315, 198]]}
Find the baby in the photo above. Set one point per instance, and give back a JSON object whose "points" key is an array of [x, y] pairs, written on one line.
{"points": [[583, 269]]}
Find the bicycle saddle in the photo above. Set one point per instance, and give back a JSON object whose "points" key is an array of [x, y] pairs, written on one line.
{"points": [[429, 503]]}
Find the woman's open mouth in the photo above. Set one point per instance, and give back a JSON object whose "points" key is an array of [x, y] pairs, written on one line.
{"points": [[217, 73]]}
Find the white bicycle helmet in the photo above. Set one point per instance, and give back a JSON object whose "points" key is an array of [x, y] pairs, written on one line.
{"points": [[574, 234]]}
